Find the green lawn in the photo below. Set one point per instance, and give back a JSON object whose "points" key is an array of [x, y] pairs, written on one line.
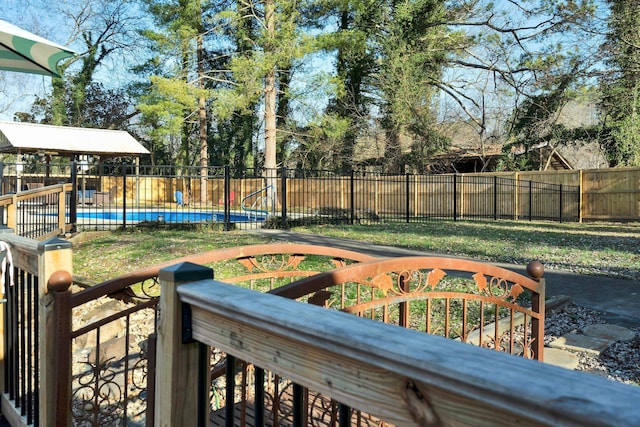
{"points": [[591, 248], [611, 249], [104, 255]]}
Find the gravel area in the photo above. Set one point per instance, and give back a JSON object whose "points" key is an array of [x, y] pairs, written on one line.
{"points": [[621, 362]]}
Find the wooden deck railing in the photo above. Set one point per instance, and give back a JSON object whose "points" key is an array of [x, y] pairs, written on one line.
{"points": [[90, 356], [39, 213], [29, 354], [398, 375], [60, 370], [124, 372]]}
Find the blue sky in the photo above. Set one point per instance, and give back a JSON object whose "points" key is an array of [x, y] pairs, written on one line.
{"points": [[17, 92]]}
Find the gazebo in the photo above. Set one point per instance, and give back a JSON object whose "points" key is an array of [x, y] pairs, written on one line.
{"points": [[72, 142], [29, 138], [64, 141]]}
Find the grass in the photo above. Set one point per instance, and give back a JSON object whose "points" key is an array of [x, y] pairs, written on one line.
{"points": [[591, 248], [124, 251], [104, 255]]}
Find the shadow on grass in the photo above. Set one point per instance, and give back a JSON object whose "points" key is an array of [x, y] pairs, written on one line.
{"points": [[593, 249]]}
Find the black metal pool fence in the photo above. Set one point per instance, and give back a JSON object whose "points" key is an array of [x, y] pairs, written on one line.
{"points": [[121, 196]]}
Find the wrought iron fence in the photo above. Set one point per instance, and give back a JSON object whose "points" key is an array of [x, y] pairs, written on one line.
{"points": [[316, 196], [130, 195]]}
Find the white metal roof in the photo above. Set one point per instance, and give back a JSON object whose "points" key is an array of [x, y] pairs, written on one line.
{"points": [[19, 138]]}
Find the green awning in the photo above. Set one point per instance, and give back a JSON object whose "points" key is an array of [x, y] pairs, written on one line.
{"points": [[26, 52]]}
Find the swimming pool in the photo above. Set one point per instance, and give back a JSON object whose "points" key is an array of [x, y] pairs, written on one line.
{"points": [[172, 216]]}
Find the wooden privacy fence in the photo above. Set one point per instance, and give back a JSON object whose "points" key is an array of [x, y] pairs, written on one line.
{"points": [[120, 200], [401, 197], [611, 194], [396, 375], [317, 196], [590, 195]]}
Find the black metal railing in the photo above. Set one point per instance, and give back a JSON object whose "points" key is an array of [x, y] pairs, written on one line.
{"points": [[37, 217], [21, 381], [130, 195], [37, 213]]}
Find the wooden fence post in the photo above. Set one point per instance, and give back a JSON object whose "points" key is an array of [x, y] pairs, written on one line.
{"points": [[59, 331], [581, 196], [12, 214], [54, 256], [177, 373], [62, 209]]}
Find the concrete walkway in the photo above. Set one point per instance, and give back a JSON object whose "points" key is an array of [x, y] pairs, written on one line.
{"points": [[619, 299]]}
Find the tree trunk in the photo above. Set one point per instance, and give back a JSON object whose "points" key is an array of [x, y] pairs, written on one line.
{"points": [[270, 108], [202, 119], [282, 112]]}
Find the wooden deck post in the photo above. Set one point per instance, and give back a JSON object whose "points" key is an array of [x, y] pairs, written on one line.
{"points": [[12, 213], [176, 394], [54, 256], [62, 208]]}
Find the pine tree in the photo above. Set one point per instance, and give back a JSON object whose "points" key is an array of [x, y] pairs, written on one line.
{"points": [[277, 41], [179, 92], [621, 87]]}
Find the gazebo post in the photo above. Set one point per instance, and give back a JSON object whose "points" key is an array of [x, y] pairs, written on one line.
{"points": [[73, 203]]}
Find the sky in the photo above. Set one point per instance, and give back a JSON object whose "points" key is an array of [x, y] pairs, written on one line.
{"points": [[17, 92]]}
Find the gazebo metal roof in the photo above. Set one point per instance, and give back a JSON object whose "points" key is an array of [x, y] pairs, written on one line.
{"points": [[29, 138]]}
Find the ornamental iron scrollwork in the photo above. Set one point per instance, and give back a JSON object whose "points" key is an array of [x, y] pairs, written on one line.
{"points": [[272, 263], [110, 393], [454, 306], [109, 379]]}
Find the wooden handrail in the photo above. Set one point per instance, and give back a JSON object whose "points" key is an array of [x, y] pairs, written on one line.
{"points": [[399, 375], [121, 282]]}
